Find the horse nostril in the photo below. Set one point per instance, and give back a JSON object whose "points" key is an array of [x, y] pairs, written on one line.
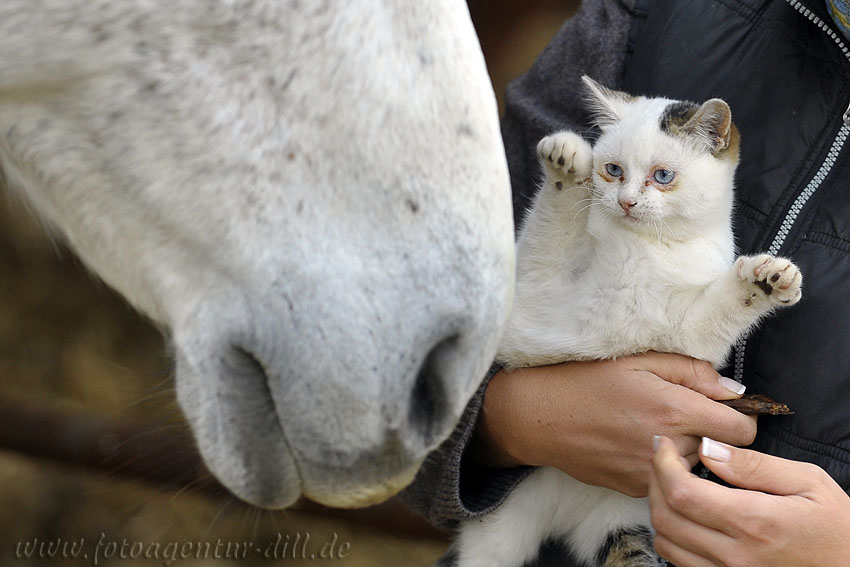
{"points": [[242, 363], [248, 371], [428, 404]]}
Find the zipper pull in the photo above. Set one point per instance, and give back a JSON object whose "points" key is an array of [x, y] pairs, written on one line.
{"points": [[847, 116]]}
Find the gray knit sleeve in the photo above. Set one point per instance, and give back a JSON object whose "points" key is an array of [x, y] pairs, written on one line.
{"points": [[450, 487]]}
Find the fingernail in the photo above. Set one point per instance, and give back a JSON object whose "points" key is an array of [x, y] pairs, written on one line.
{"points": [[656, 443], [715, 450], [732, 385]]}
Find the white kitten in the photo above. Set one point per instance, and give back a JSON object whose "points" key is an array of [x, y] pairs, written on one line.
{"points": [[627, 248]]}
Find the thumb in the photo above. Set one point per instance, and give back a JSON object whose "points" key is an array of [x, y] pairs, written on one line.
{"points": [[697, 375], [756, 471]]}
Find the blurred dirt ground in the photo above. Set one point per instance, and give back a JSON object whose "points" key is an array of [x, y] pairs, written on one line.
{"points": [[70, 344]]}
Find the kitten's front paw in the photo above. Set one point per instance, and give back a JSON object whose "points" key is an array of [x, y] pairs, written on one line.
{"points": [[566, 155], [777, 278]]}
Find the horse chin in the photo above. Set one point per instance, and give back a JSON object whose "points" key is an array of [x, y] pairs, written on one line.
{"points": [[365, 495]]}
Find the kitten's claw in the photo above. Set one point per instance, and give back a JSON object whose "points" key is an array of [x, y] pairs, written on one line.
{"points": [[777, 278], [566, 156]]}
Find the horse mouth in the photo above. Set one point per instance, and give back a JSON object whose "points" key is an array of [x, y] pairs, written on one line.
{"points": [[238, 414]]}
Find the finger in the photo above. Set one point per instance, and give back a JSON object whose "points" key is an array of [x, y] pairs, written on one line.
{"points": [[756, 471], [686, 444], [697, 375], [725, 424], [688, 448], [701, 501], [676, 534]]}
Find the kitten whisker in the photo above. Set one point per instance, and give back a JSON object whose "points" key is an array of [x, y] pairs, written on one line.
{"points": [[672, 234], [579, 202], [584, 208], [658, 228]]}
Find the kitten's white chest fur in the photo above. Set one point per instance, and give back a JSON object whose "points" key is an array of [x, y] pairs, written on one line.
{"points": [[628, 247], [615, 297]]}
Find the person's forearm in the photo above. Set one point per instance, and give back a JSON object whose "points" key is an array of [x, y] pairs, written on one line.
{"points": [[491, 445]]}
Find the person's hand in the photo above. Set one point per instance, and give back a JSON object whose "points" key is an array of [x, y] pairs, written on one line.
{"points": [[790, 513], [596, 420]]}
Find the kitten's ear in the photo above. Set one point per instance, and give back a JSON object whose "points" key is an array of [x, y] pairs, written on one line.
{"points": [[606, 105], [712, 122]]}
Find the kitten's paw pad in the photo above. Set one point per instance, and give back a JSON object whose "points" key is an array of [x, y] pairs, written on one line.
{"points": [[777, 278], [566, 155]]}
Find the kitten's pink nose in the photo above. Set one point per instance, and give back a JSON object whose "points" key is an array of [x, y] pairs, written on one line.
{"points": [[627, 204]]}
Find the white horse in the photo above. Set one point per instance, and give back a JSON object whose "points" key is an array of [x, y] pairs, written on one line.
{"points": [[309, 197]]}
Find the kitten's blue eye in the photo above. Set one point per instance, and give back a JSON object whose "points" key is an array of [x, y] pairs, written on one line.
{"points": [[664, 176], [613, 169]]}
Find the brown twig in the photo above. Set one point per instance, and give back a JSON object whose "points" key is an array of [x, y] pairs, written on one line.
{"points": [[758, 404]]}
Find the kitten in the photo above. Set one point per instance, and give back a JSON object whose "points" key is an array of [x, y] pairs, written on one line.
{"points": [[628, 247]]}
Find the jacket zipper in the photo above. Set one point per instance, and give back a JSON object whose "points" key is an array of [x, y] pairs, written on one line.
{"points": [[800, 202]]}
